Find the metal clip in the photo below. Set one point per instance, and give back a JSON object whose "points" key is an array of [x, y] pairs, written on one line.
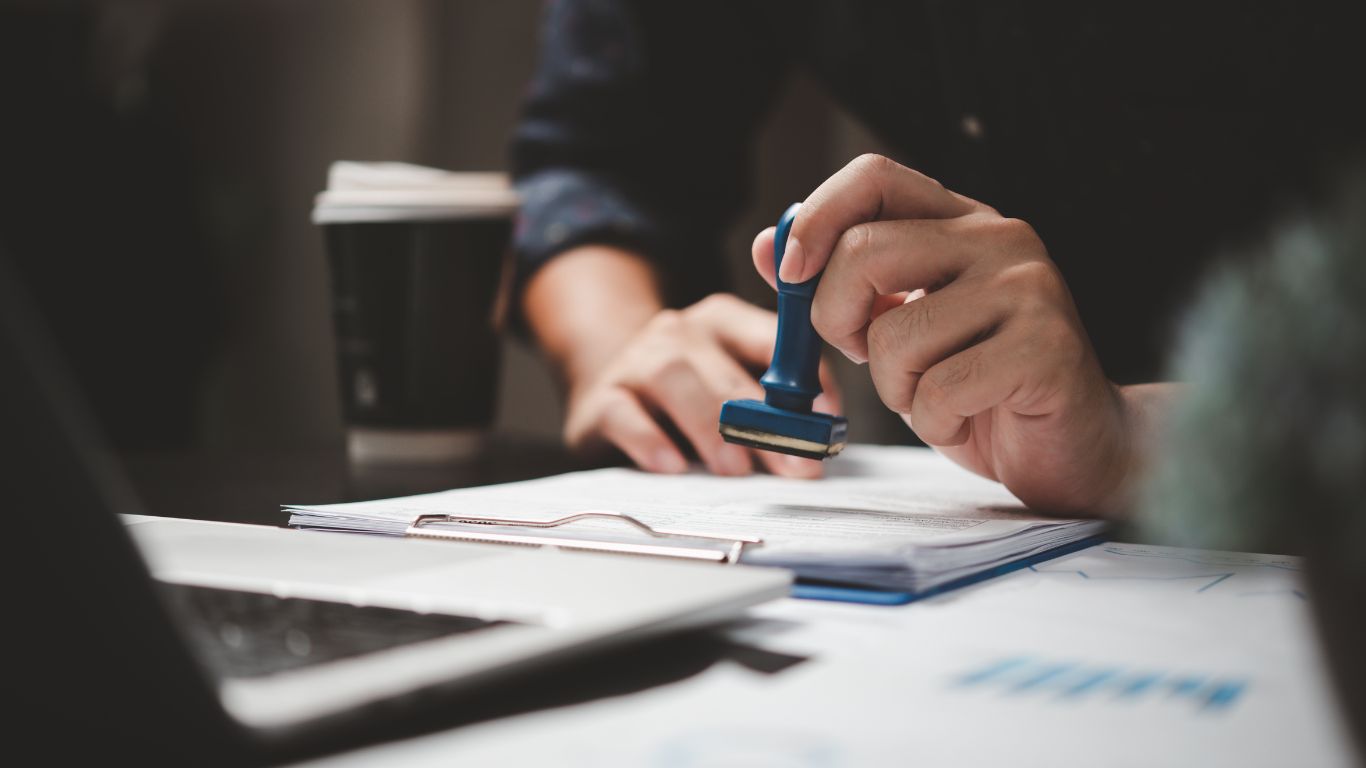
{"points": [[731, 554]]}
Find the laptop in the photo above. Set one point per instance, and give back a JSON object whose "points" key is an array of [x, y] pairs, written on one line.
{"points": [[192, 642]]}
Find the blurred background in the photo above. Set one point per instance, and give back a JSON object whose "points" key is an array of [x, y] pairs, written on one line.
{"points": [[159, 161], [174, 147]]}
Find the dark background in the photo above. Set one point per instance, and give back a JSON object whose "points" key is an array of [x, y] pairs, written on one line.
{"points": [[158, 161], [160, 158]]}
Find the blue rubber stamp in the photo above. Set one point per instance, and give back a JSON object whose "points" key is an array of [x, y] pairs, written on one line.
{"points": [[784, 421]]}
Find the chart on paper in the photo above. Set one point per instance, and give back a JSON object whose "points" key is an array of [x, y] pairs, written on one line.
{"points": [[1168, 569], [1066, 681]]}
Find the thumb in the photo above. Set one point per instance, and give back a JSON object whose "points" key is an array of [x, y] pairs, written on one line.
{"points": [[762, 253]]}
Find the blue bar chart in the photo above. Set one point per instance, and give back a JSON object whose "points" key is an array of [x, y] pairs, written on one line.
{"points": [[1064, 681]]}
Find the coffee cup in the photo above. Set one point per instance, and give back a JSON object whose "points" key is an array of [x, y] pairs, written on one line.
{"points": [[419, 266]]}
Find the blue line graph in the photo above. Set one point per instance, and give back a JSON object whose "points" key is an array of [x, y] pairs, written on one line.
{"points": [[1213, 579], [1198, 558], [1275, 592], [1222, 567], [1071, 681]]}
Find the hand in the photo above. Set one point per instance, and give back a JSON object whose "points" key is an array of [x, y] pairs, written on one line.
{"points": [[967, 328], [681, 366]]}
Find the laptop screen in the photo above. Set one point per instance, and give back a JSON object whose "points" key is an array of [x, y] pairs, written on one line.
{"points": [[98, 662]]}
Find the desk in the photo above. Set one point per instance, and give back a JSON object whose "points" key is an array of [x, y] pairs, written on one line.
{"points": [[1120, 655], [250, 486]]}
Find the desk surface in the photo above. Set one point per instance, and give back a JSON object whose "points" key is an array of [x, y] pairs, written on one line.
{"points": [[1120, 654], [250, 486]]}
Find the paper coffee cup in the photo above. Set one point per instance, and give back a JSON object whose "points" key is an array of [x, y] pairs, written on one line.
{"points": [[419, 266]]}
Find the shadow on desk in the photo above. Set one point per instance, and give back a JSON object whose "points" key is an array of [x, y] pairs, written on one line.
{"points": [[602, 675]]}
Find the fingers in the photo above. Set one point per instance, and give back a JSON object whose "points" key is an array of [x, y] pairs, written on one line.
{"points": [[690, 392], [887, 258], [743, 330], [784, 465], [907, 341], [1018, 367], [625, 423], [762, 254], [871, 188], [964, 385], [727, 380], [747, 333], [679, 370], [830, 400], [761, 251]]}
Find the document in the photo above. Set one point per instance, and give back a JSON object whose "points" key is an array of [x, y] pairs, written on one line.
{"points": [[883, 517], [1118, 655]]}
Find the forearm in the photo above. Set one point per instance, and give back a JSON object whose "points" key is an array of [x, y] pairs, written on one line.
{"points": [[584, 304]]}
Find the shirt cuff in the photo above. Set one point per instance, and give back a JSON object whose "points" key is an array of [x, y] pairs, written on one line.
{"points": [[564, 208]]}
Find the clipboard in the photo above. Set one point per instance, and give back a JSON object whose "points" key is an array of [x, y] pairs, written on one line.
{"points": [[844, 593], [724, 550]]}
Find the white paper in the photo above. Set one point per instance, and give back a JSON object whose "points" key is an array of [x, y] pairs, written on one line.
{"points": [[892, 686], [883, 516]]}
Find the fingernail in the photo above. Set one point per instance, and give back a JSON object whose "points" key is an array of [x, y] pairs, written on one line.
{"points": [[856, 359], [669, 461], [794, 261]]}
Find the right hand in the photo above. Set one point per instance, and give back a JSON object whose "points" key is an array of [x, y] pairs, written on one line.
{"points": [[681, 366], [969, 332]]}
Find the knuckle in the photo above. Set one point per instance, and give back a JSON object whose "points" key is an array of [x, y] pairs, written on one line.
{"points": [[873, 163], [666, 321], [897, 395], [952, 372], [1017, 236], [856, 242], [666, 369], [917, 318], [714, 305], [883, 338], [1015, 228], [892, 332], [934, 385], [986, 210], [675, 367], [1030, 278]]}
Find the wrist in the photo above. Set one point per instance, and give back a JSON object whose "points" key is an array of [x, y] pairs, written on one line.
{"points": [[586, 304], [1142, 409]]}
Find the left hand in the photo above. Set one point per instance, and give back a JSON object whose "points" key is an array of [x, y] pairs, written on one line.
{"points": [[968, 330]]}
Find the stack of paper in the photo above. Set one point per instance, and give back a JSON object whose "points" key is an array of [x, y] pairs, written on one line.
{"points": [[883, 517]]}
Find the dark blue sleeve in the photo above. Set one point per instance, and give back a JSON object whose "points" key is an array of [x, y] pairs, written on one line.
{"points": [[637, 131]]}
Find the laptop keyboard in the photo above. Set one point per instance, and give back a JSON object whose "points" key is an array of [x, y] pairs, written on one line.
{"points": [[247, 634]]}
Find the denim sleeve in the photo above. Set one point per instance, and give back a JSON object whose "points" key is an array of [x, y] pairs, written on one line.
{"points": [[637, 129]]}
